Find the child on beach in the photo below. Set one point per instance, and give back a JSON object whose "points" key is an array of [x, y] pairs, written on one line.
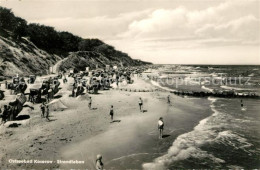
{"points": [[99, 163], [111, 113], [160, 127], [42, 109], [140, 104], [90, 102]]}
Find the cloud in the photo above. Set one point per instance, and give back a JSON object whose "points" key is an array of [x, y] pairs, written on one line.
{"points": [[233, 21], [224, 33], [99, 26], [244, 29], [161, 31], [160, 23]]}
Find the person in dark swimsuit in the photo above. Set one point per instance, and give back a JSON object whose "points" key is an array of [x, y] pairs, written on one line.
{"points": [[140, 104], [168, 98], [90, 102], [111, 113]]}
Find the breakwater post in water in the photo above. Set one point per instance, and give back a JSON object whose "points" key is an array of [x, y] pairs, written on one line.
{"points": [[208, 94], [197, 94]]}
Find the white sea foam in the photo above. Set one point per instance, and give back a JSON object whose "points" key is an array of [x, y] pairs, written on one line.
{"points": [[234, 88], [206, 88], [230, 138], [188, 145], [235, 167], [208, 131], [213, 74], [158, 85]]}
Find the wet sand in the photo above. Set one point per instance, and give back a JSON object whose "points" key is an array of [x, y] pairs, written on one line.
{"points": [[134, 140], [78, 133]]}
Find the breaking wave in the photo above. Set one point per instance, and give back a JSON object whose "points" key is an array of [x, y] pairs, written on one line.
{"points": [[158, 85], [189, 145]]}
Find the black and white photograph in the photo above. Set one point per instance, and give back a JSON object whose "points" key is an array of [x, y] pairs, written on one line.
{"points": [[129, 84]]}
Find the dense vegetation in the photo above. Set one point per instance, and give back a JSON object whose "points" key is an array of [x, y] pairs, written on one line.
{"points": [[33, 48], [52, 41], [44, 37]]}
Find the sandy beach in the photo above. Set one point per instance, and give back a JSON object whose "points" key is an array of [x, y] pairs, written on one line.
{"points": [[79, 134], [129, 85]]}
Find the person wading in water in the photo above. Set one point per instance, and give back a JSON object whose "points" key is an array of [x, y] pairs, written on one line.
{"points": [[160, 127]]}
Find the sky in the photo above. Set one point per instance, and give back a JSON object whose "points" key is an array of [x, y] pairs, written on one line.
{"points": [[159, 31]]}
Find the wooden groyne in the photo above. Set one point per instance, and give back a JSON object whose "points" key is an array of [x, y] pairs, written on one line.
{"points": [[225, 94], [216, 94]]}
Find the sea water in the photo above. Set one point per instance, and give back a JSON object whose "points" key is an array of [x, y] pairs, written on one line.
{"points": [[201, 132], [230, 137]]}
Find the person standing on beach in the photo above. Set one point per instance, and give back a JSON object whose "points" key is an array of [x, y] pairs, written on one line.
{"points": [[73, 92], [5, 114], [111, 113], [160, 127], [140, 104], [99, 163], [168, 98], [64, 79], [47, 112], [42, 109], [89, 103], [241, 101], [47, 97]]}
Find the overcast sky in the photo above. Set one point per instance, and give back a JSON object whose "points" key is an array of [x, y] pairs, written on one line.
{"points": [[160, 31]]}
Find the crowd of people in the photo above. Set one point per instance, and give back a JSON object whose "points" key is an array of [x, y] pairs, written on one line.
{"points": [[116, 77]]}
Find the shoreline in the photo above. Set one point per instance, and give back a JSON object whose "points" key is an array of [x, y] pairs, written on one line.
{"points": [[44, 140], [140, 131]]}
